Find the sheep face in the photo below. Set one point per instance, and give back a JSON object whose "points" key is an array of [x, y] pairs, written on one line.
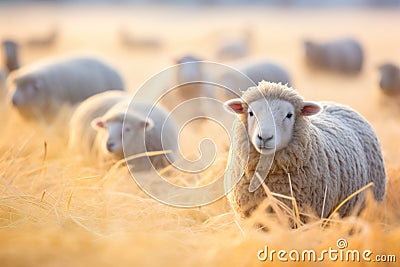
{"points": [[132, 129], [112, 131], [114, 136], [134, 134], [26, 92], [270, 124]]}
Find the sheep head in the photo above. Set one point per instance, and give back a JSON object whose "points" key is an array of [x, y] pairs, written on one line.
{"points": [[270, 122], [131, 127]]}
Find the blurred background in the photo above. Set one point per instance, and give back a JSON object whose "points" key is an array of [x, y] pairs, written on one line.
{"points": [[141, 38], [286, 3]]}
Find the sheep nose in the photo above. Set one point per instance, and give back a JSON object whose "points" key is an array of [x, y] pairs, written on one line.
{"points": [[264, 139], [110, 146]]}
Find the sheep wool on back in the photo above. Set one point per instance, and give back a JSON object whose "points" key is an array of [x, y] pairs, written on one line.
{"points": [[335, 150]]}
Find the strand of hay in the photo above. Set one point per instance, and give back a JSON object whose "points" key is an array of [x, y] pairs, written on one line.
{"points": [[294, 203], [345, 201]]}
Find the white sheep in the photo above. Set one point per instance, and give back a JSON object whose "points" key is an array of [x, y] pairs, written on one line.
{"points": [[336, 150], [344, 55], [133, 129], [82, 136], [390, 79], [42, 88], [256, 72]]}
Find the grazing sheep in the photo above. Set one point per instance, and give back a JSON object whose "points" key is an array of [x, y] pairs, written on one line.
{"points": [[336, 150], [256, 72], [390, 79], [141, 128], [344, 55], [81, 134], [11, 60], [41, 89]]}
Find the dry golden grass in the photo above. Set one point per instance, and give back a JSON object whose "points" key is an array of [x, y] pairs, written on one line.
{"points": [[58, 209]]}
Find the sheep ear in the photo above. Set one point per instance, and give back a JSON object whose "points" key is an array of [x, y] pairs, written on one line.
{"points": [[147, 124], [97, 123], [310, 108], [235, 105]]}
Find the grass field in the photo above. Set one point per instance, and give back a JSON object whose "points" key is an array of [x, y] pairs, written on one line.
{"points": [[57, 209]]}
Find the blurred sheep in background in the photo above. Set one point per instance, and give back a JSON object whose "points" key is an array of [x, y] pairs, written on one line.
{"points": [[343, 56], [390, 79], [41, 89], [254, 72], [82, 135], [11, 58]]}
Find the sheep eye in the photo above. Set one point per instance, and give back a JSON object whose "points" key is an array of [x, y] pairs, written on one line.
{"points": [[251, 113], [289, 115]]}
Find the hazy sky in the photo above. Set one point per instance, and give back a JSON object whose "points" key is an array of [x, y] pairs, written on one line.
{"points": [[231, 2]]}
